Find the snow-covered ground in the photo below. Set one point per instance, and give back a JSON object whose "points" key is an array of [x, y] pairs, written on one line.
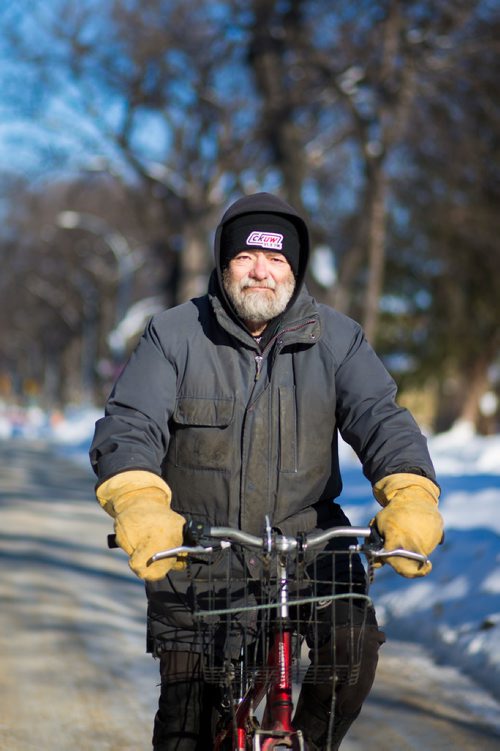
{"points": [[454, 612]]}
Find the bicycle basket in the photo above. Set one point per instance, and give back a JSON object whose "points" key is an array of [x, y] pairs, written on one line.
{"points": [[240, 613]]}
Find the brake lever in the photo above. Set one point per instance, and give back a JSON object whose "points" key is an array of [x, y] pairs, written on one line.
{"points": [[192, 533], [190, 550], [382, 554], [374, 545]]}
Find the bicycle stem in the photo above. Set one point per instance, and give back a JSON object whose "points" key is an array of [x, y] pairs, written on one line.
{"points": [[283, 580]]}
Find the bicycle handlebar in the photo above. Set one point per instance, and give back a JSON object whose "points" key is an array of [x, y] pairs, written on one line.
{"points": [[373, 547]]}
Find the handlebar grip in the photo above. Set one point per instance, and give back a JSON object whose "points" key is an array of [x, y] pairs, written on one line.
{"points": [[375, 541], [194, 531]]}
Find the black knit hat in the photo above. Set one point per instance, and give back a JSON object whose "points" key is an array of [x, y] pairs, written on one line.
{"points": [[266, 232]]}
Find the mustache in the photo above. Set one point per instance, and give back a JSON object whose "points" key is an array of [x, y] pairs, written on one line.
{"points": [[246, 283]]}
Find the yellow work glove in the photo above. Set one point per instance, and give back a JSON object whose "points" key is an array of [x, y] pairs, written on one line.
{"points": [[410, 519], [139, 502]]}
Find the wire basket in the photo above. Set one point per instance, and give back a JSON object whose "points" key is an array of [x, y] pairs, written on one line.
{"points": [[240, 610]]}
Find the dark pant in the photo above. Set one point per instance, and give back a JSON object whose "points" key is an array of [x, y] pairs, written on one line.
{"points": [[186, 710], [187, 705], [324, 712]]}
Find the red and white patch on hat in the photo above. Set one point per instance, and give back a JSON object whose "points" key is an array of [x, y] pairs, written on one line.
{"points": [[270, 240]]}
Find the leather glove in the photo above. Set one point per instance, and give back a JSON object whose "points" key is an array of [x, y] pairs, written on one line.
{"points": [[139, 502], [410, 519]]}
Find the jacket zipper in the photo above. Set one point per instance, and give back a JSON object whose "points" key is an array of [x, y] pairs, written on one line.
{"points": [[258, 365], [259, 359]]}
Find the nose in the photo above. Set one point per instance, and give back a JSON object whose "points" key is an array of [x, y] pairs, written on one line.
{"points": [[259, 269]]}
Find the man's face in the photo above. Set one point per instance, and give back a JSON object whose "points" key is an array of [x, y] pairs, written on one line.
{"points": [[259, 285]]}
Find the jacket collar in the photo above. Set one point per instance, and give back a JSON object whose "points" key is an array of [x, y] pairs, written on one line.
{"points": [[299, 324]]}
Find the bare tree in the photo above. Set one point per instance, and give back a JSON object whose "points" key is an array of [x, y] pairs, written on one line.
{"points": [[154, 89], [445, 250], [351, 110], [333, 78]]}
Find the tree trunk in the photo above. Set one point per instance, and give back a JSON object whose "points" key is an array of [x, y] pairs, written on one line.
{"points": [[193, 264], [476, 383], [376, 236], [268, 59]]}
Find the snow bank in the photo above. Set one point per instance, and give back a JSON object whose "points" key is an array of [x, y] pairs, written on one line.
{"points": [[460, 452], [454, 612]]}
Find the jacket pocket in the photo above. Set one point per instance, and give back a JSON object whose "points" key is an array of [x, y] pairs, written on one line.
{"points": [[201, 432], [288, 429]]}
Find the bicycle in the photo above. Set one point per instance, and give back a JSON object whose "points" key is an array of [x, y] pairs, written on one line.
{"points": [[257, 601]]}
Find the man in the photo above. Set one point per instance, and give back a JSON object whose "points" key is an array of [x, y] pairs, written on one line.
{"points": [[228, 410]]}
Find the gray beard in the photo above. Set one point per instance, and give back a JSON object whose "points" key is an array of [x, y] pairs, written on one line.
{"points": [[258, 307]]}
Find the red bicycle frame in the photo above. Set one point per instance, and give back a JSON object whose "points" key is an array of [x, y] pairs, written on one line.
{"points": [[275, 683]]}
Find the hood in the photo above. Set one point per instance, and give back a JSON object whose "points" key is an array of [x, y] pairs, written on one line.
{"points": [[263, 203]]}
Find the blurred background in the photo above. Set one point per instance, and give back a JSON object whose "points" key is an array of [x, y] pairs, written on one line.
{"points": [[128, 126], [126, 129]]}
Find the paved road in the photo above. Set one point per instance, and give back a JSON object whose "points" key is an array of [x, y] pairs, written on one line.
{"points": [[419, 706], [73, 673]]}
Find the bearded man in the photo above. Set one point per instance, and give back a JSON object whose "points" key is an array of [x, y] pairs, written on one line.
{"points": [[229, 411]]}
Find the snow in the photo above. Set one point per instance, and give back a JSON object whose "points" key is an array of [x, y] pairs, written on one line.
{"points": [[134, 321], [454, 612]]}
